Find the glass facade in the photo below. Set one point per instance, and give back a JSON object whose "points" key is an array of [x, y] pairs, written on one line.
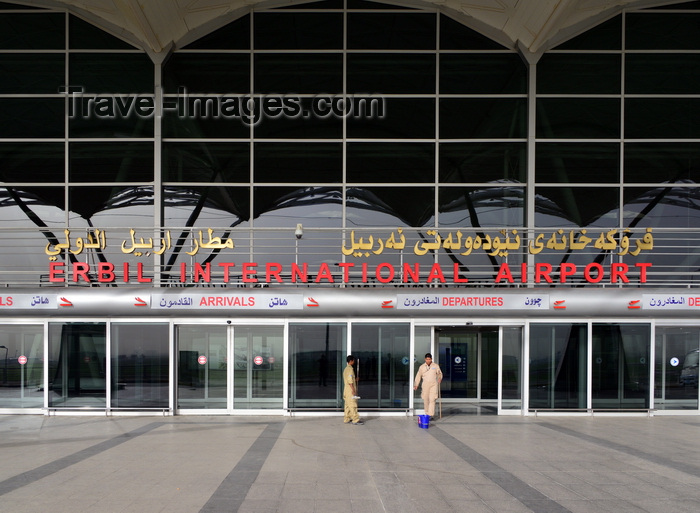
{"points": [[310, 115], [348, 144]]}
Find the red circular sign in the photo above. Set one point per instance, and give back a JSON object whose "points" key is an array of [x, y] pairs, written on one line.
{"points": [[22, 360], [202, 360], [270, 359], [258, 360]]}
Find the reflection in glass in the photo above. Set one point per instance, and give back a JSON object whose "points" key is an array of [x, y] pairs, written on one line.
{"points": [[382, 375], [621, 366], [21, 366], [318, 353], [209, 206], [576, 206], [112, 206], [676, 207], [286, 206], [676, 368], [485, 206], [258, 367], [390, 206], [201, 367], [558, 362], [77, 364], [140, 365]]}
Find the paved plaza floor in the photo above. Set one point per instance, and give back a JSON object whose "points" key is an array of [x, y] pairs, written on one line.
{"points": [[462, 462]]}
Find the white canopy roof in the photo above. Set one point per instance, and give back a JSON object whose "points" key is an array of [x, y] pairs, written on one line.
{"points": [[531, 25]]}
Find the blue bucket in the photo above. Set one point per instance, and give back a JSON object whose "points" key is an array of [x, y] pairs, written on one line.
{"points": [[423, 421]]}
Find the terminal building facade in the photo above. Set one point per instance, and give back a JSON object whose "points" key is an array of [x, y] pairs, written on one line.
{"points": [[211, 226]]}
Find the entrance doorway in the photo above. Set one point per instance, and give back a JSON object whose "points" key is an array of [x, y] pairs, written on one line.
{"points": [[468, 357], [228, 368]]}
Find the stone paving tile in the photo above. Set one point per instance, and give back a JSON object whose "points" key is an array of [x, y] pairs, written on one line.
{"points": [[463, 463]]}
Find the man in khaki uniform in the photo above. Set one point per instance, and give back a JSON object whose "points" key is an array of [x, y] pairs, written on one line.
{"points": [[350, 393], [431, 375]]}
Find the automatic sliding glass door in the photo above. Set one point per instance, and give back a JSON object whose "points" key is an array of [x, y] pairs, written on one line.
{"points": [[202, 367], [382, 364], [676, 369], [230, 367]]}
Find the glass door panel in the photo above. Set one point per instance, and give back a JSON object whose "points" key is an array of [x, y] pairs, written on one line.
{"points": [[317, 352], [140, 365], [422, 342], [511, 369], [621, 366], [489, 363], [202, 367], [457, 357], [558, 363], [21, 366], [77, 364], [676, 369], [258, 372], [382, 357]]}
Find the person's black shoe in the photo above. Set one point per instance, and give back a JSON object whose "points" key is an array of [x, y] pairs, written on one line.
{"points": [[358, 423]]}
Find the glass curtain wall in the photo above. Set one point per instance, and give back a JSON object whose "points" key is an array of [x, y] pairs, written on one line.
{"points": [[406, 92], [617, 139], [21, 366]]}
